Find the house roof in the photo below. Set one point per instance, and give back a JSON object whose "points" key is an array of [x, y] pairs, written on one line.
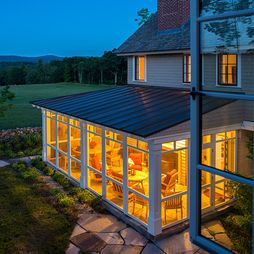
{"points": [[149, 39], [138, 110]]}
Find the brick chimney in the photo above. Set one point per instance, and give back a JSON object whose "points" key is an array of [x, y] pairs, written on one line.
{"points": [[172, 13]]}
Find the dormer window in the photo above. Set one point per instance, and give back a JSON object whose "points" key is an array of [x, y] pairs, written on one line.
{"points": [[140, 69], [186, 68], [227, 70]]}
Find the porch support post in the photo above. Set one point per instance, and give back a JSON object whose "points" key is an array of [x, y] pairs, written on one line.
{"points": [[44, 136], [154, 220], [57, 138], [83, 176], [125, 174], [103, 163], [69, 146]]}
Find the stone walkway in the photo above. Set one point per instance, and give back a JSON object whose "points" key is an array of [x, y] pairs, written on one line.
{"points": [[105, 234]]}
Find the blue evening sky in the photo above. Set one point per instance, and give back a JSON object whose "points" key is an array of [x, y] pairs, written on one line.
{"points": [[67, 27]]}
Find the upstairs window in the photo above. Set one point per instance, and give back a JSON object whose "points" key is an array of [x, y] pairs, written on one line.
{"points": [[227, 70], [140, 68], [186, 68]]}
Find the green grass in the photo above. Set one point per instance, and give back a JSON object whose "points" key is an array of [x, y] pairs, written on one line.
{"points": [[24, 115], [28, 222]]}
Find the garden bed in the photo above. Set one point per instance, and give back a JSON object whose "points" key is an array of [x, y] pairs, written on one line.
{"points": [[38, 206]]}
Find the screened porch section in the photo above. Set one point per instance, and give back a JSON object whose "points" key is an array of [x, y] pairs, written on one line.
{"points": [[146, 180]]}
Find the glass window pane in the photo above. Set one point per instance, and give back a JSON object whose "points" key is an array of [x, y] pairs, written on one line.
{"points": [[232, 149], [94, 129], [206, 190], [62, 137], [51, 153], [75, 143], [138, 207], [132, 142], [62, 118], [231, 220], [209, 8], [174, 172], [51, 131], [114, 160], [206, 139], [63, 162], [174, 209], [94, 147], [114, 193], [95, 181], [75, 169], [138, 171], [168, 146], [181, 144]]}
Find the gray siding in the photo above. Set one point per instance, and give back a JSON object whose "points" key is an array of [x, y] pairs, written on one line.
{"points": [[161, 70], [227, 115], [246, 77]]}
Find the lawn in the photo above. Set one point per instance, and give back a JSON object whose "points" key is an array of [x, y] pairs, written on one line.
{"points": [[28, 222], [24, 115]]}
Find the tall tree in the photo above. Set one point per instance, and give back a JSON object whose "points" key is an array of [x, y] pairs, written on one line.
{"points": [[143, 15], [5, 97]]}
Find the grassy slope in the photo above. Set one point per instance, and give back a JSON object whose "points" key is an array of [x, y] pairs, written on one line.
{"points": [[24, 115], [28, 223]]}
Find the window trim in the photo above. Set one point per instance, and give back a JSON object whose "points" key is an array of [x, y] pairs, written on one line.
{"points": [[184, 70], [238, 72], [134, 69]]}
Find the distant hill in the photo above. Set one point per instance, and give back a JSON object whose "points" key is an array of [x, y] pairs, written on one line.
{"points": [[24, 59]]}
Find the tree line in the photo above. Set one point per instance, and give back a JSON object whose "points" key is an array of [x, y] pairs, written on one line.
{"points": [[107, 69]]}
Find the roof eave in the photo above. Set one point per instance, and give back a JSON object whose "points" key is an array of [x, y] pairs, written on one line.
{"points": [[155, 52]]}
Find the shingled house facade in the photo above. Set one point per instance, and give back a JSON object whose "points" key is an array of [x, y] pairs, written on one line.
{"points": [[131, 144]]}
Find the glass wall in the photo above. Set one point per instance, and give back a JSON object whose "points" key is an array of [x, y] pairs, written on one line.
{"points": [[94, 158], [138, 178], [64, 144], [174, 181]]}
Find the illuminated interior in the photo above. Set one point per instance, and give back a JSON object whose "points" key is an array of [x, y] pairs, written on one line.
{"points": [[174, 181], [124, 180], [228, 69], [140, 68]]}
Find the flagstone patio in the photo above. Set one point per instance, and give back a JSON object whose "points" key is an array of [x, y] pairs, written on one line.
{"points": [[105, 234]]}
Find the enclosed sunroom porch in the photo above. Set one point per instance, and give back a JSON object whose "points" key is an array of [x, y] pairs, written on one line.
{"points": [[143, 176]]}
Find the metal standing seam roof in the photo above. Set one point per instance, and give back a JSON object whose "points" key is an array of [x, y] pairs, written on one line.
{"points": [[135, 109]]}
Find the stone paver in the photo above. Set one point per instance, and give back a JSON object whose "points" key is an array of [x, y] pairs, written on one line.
{"points": [[101, 223], [179, 243], [215, 227], [77, 231], [123, 249], [132, 237], [88, 242], [111, 238], [3, 164], [151, 248], [72, 249], [224, 240]]}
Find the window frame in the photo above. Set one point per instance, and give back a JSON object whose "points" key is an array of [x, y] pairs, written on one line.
{"points": [[219, 82], [185, 69], [196, 128], [135, 78]]}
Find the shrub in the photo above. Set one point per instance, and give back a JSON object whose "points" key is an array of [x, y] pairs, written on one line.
{"points": [[49, 171], [31, 174], [39, 164], [62, 199], [21, 144], [62, 180], [96, 204], [20, 166], [66, 201], [85, 197]]}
